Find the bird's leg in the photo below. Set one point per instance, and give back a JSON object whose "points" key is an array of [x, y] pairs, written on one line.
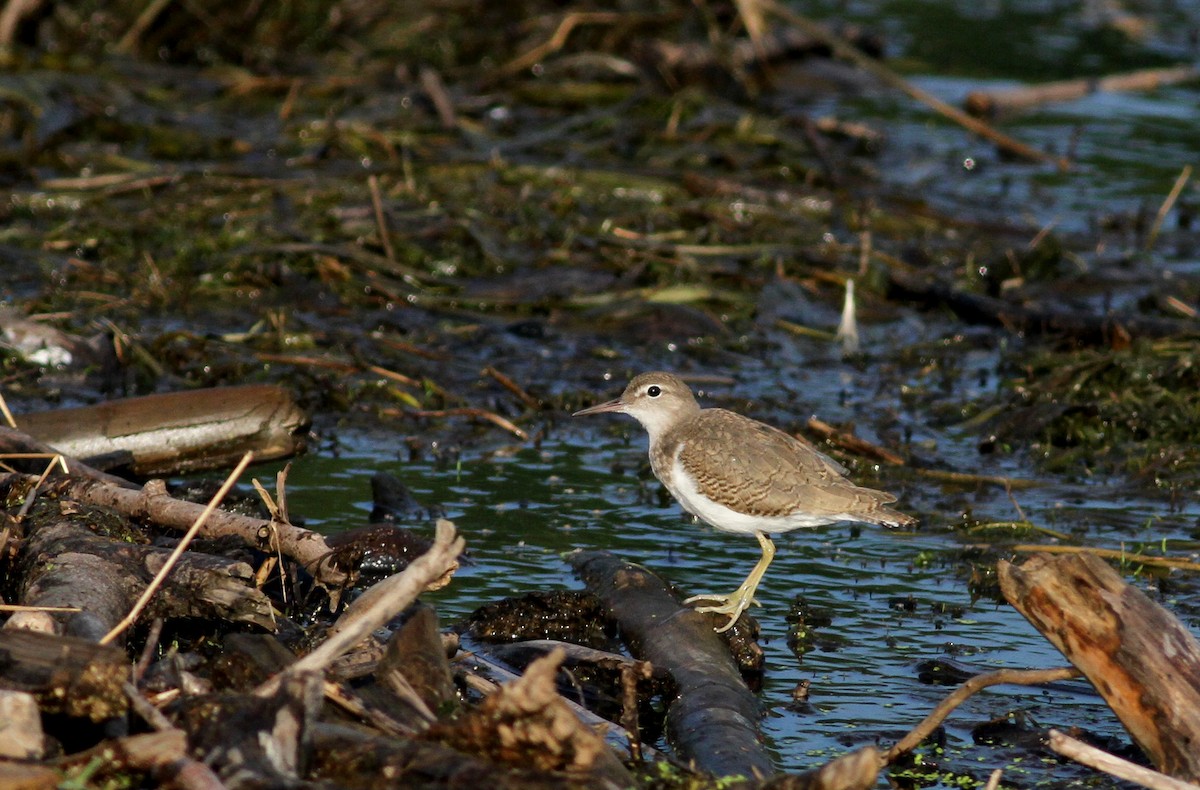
{"points": [[733, 605]]}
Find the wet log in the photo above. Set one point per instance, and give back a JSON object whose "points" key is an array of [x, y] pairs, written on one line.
{"points": [[178, 432], [67, 675], [713, 722], [1142, 660], [63, 563], [153, 502], [1090, 329]]}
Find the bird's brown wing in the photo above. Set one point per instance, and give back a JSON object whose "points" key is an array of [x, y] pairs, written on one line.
{"points": [[734, 458]]}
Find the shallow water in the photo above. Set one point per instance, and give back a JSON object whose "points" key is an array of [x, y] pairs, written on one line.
{"points": [[522, 508]]}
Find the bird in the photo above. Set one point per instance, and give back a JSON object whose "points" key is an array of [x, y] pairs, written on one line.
{"points": [[742, 476]]}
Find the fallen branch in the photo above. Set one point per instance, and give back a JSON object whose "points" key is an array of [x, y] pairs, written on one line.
{"points": [[1112, 765], [153, 502]]}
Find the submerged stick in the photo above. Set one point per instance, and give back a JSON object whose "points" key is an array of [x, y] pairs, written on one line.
{"points": [[844, 49], [960, 695], [992, 103]]}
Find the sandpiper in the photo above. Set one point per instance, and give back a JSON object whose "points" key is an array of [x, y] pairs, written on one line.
{"points": [[741, 475]]}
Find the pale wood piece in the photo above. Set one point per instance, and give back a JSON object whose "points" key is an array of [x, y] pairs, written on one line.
{"points": [[21, 736], [1112, 765], [175, 432], [1142, 660]]}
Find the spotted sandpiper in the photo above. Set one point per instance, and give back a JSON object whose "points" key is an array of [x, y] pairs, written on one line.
{"points": [[741, 475]]}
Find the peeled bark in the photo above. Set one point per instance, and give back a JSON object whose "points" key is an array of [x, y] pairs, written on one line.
{"points": [[1142, 660], [178, 432]]}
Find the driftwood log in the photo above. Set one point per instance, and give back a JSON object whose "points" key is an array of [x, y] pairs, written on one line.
{"points": [[1142, 660], [65, 563], [713, 722], [177, 432]]}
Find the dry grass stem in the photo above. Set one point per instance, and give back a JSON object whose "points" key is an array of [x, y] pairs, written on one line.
{"points": [[1110, 554]]}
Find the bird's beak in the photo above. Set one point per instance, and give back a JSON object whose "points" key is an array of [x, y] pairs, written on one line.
{"points": [[602, 408]]}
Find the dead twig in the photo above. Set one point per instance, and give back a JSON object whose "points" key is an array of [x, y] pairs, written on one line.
{"points": [[513, 387], [472, 411], [435, 89], [1018, 677], [1165, 208], [558, 39], [385, 237], [854, 444]]}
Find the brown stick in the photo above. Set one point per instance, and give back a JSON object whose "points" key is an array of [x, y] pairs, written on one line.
{"points": [[1109, 554], [992, 103], [853, 443], [152, 501], [1142, 660]]}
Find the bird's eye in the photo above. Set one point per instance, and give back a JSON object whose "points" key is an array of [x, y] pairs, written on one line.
{"points": [[654, 390]]}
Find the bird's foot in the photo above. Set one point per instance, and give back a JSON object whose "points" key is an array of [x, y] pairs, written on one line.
{"points": [[723, 599], [732, 605]]}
